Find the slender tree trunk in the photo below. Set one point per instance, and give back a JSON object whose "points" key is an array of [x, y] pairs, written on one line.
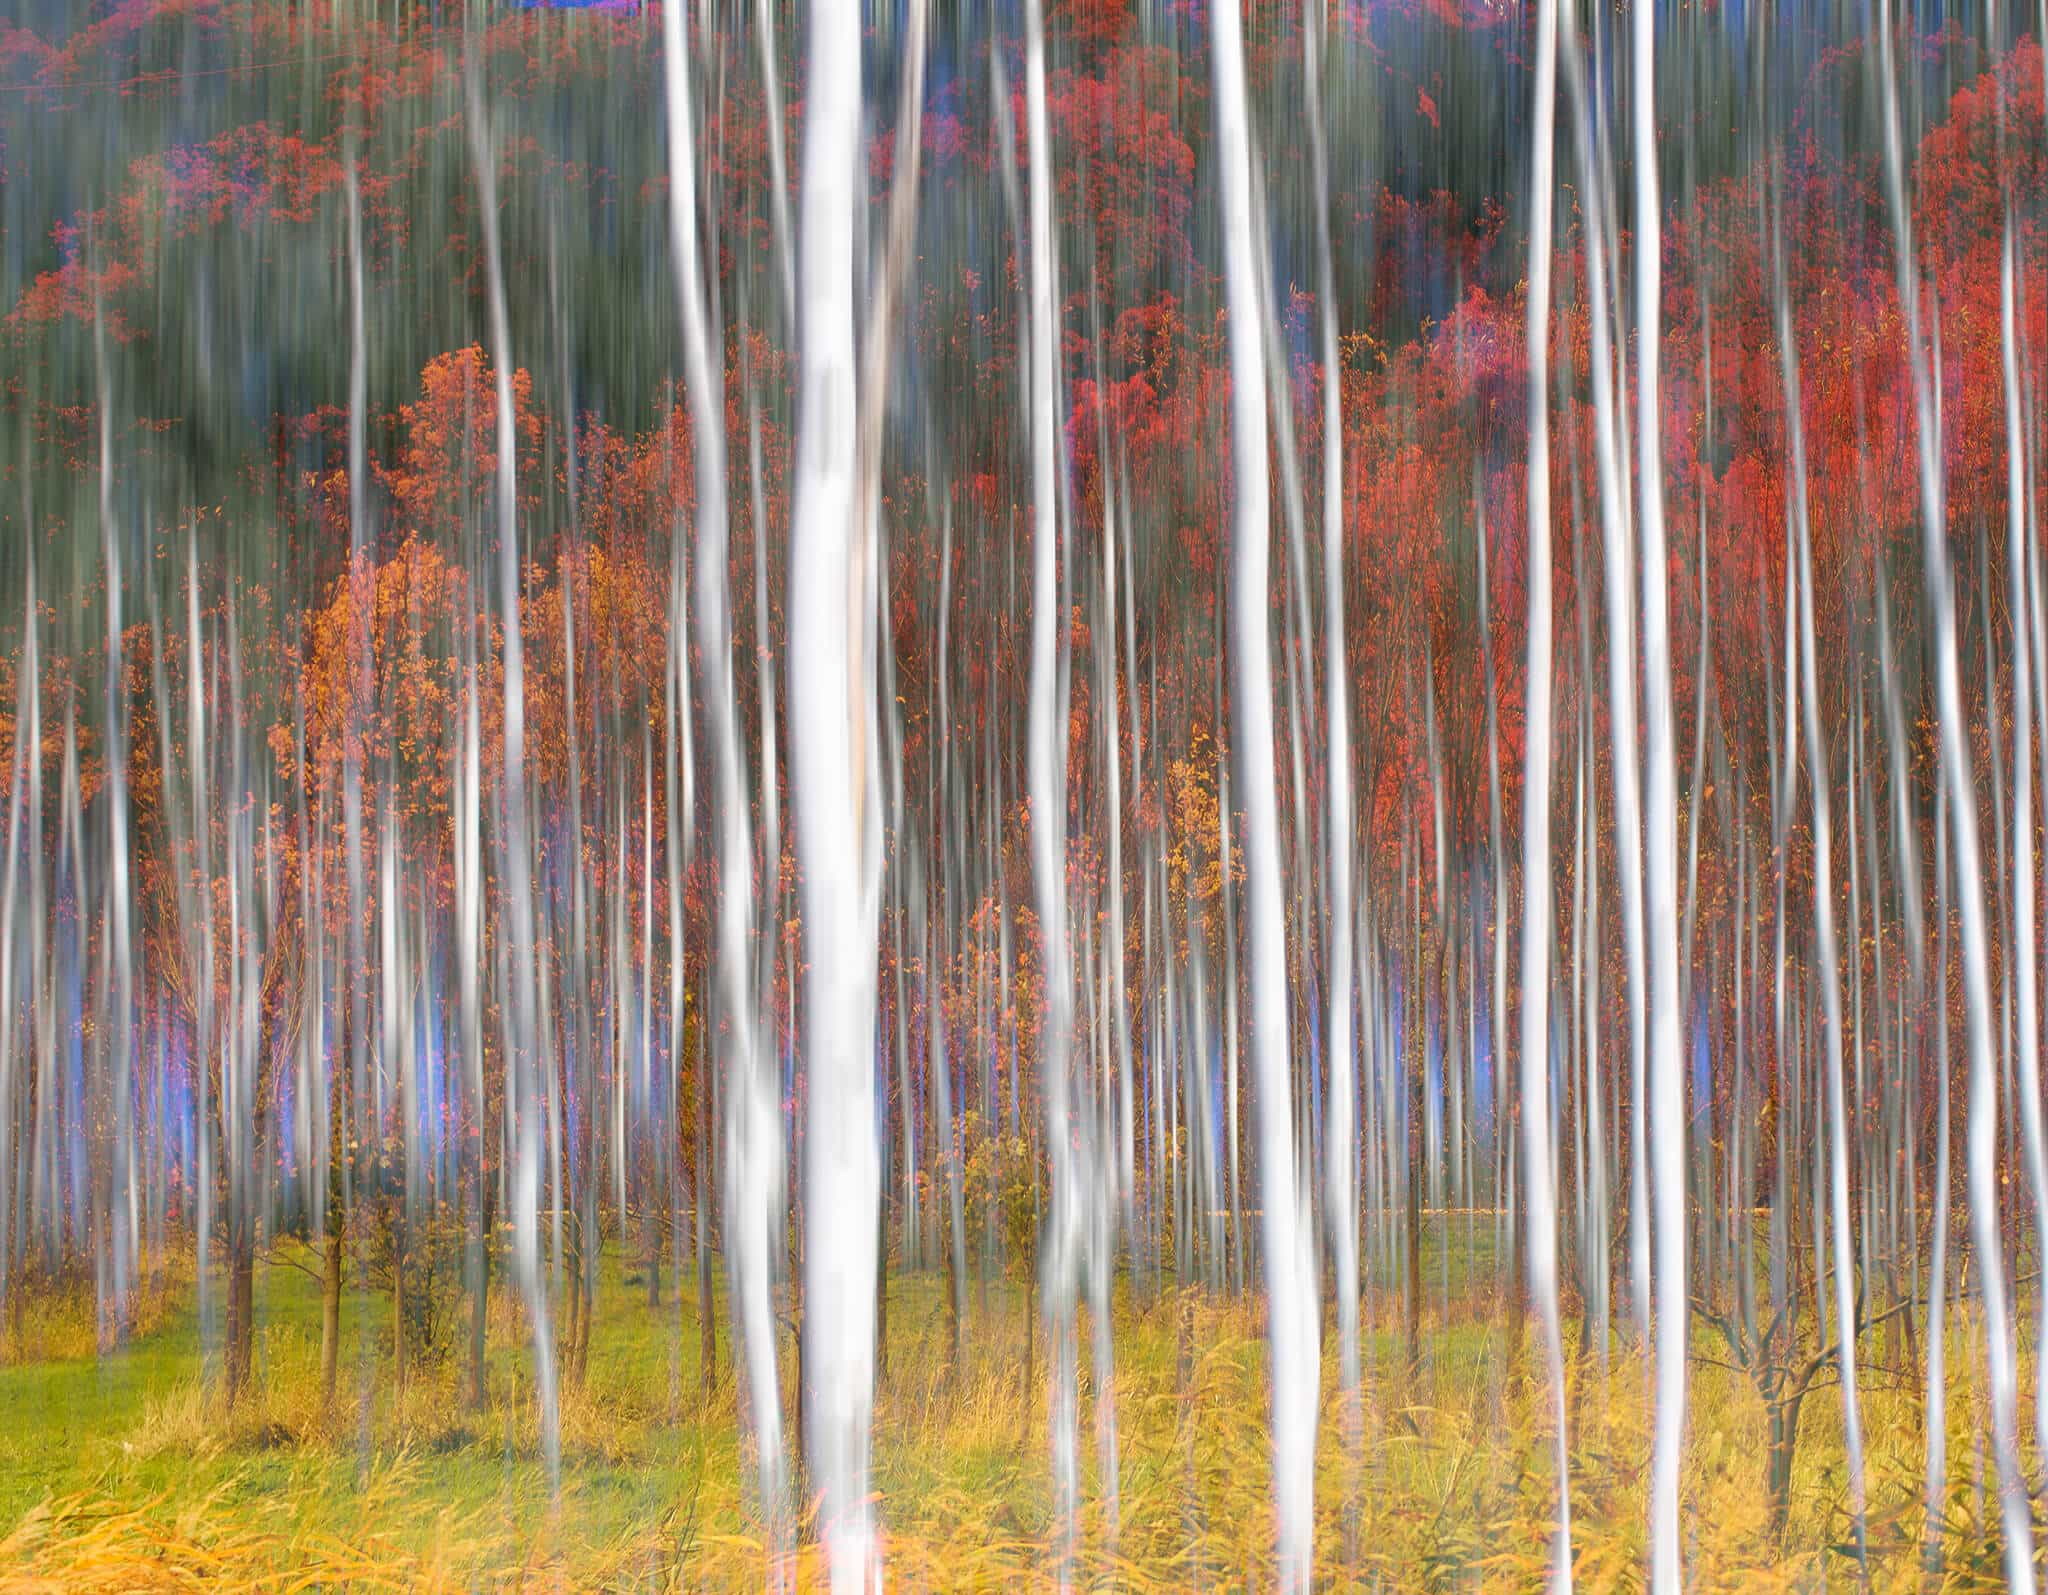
{"points": [[1666, 1062], [1935, 1405], [1782, 1447], [241, 1328], [1411, 1140], [401, 1305], [1289, 1255], [529, 1095], [334, 1254], [1030, 1334], [707, 1317], [1341, 1154], [753, 1153], [653, 1224], [591, 1231], [480, 1300], [330, 1306]]}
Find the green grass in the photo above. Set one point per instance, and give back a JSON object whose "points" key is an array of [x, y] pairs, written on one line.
{"points": [[143, 1424], [127, 1469]]}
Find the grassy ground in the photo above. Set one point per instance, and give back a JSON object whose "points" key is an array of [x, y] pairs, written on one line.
{"points": [[126, 1473]]}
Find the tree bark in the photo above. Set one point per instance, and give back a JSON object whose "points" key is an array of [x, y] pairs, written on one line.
{"points": [[1783, 1416], [398, 1326], [241, 1338], [653, 1256], [480, 1304], [707, 1320], [1412, 1139], [1287, 1237], [330, 1310]]}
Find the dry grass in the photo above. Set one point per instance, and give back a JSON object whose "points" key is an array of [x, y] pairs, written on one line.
{"points": [[1440, 1481], [61, 1320], [78, 1544]]}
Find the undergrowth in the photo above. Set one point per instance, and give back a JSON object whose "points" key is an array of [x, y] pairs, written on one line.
{"points": [[128, 1472]]}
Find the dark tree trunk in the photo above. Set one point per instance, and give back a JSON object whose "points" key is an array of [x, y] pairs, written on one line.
{"points": [[1414, 1224], [653, 1256], [337, 1223], [803, 1386], [707, 1318], [398, 1299], [1184, 1370], [797, 1303], [480, 1302], [1783, 1416], [241, 1339], [577, 1280], [1586, 1348], [956, 1296], [330, 1300], [1518, 1279], [593, 1244]]}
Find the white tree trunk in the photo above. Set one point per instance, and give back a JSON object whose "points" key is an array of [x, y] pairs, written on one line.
{"points": [[753, 1135], [1341, 1155], [1046, 749], [1288, 1240], [831, 665], [1666, 1062], [1959, 777], [523, 1095], [1539, 1176]]}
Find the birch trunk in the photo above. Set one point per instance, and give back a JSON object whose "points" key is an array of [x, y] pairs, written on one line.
{"points": [[1287, 1234]]}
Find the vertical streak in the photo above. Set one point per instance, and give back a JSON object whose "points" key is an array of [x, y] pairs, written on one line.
{"points": [[523, 1053], [1540, 1205], [1826, 950], [830, 695], [1289, 1258], [754, 1145], [1046, 774], [1959, 777], [1666, 1061], [1340, 1156]]}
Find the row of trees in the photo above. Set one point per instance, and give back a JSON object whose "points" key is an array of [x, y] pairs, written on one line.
{"points": [[617, 793]]}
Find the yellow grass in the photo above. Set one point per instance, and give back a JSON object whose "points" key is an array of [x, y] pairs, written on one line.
{"points": [[1439, 1481]]}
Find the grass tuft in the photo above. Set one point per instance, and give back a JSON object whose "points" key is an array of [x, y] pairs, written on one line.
{"points": [[128, 1471]]}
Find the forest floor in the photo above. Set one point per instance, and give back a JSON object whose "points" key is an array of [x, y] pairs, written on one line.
{"points": [[128, 1473]]}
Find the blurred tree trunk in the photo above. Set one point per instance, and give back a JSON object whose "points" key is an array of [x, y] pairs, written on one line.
{"points": [[241, 1338], [1413, 1139], [707, 1320], [653, 1255], [330, 1294], [593, 1247], [398, 1303], [337, 1219], [480, 1303], [882, 1289]]}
